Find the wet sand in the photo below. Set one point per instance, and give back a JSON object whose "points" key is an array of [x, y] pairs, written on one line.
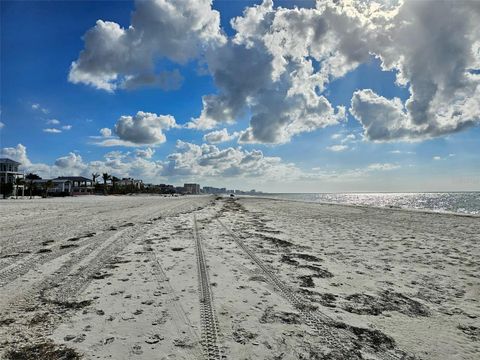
{"points": [[147, 277]]}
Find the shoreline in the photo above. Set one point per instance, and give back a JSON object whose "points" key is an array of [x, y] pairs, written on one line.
{"points": [[368, 206], [391, 207]]}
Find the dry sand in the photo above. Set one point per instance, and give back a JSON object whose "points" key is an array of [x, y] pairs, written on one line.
{"points": [[134, 278]]}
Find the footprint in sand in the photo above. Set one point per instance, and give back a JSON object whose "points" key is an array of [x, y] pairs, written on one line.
{"points": [[137, 349]]}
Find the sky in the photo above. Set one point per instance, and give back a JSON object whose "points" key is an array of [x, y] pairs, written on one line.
{"points": [[282, 96]]}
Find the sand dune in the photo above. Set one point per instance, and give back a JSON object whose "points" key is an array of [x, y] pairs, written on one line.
{"points": [[130, 278]]}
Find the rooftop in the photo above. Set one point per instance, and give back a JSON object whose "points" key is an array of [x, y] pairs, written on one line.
{"points": [[73, 178], [9, 161]]}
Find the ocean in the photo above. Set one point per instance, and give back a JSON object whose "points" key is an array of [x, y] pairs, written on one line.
{"points": [[447, 202]]}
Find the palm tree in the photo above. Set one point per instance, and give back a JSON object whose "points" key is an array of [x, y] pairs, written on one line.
{"points": [[18, 182], [94, 177], [114, 181], [105, 177], [48, 184], [30, 177]]}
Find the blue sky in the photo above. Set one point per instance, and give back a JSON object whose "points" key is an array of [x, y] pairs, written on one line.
{"points": [[56, 115]]}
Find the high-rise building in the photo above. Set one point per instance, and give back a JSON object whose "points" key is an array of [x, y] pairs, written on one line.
{"points": [[192, 189]]}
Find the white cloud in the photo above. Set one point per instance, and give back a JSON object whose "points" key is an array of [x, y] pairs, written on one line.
{"points": [[52, 130], [116, 163], [175, 29], [219, 136], [337, 148], [430, 44], [38, 107], [190, 162], [19, 153], [145, 153], [2, 125], [398, 152], [53, 122], [263, 71], [140, 129], [408, 37], [114, 142], [71, 163], [66, 127], [382, 167], [144, 128], [106, 132], [348, 138], [207, 161], [437, 158]]}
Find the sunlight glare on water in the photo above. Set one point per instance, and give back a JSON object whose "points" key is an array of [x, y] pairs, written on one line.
{"points": [[456, 202]]}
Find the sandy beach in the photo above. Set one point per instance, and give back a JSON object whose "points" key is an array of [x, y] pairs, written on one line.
{"points": [[200, 277]]}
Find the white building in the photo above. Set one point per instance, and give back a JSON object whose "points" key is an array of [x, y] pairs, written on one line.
{"points": [[9, 174], [192, 189]]}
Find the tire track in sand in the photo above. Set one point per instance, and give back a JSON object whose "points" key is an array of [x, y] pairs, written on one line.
{"points": [[318, 321], [208, 318]]}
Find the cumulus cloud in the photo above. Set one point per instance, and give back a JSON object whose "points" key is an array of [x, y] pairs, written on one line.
{"points": [[219, 136], [106, 132], [141, 129], [144, 127], [114, 56], [53, 122], [431, 45], [264, 73], [166, 80], [210, 161], [66, 127], [19, 153], [145, 153], [189, 161], [117, 163], [72, 163]]}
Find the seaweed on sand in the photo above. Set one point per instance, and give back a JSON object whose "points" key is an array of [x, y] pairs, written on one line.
{"points": [[44, 351]]}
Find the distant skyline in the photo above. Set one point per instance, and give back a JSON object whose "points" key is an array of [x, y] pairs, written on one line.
{"points": [[282, 96]]}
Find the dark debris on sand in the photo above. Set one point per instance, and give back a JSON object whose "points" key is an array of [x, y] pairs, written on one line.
{"points": [[43, 351], [364, 304], [271, 316], [473, 332]]}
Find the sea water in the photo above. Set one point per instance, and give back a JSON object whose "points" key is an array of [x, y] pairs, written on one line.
{"points": [[453, 202]]}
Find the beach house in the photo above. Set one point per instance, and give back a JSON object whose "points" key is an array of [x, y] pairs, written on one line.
{"points": [[79, 185], [57, 187], [66, 186], [130, 182], [9, 174]]}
